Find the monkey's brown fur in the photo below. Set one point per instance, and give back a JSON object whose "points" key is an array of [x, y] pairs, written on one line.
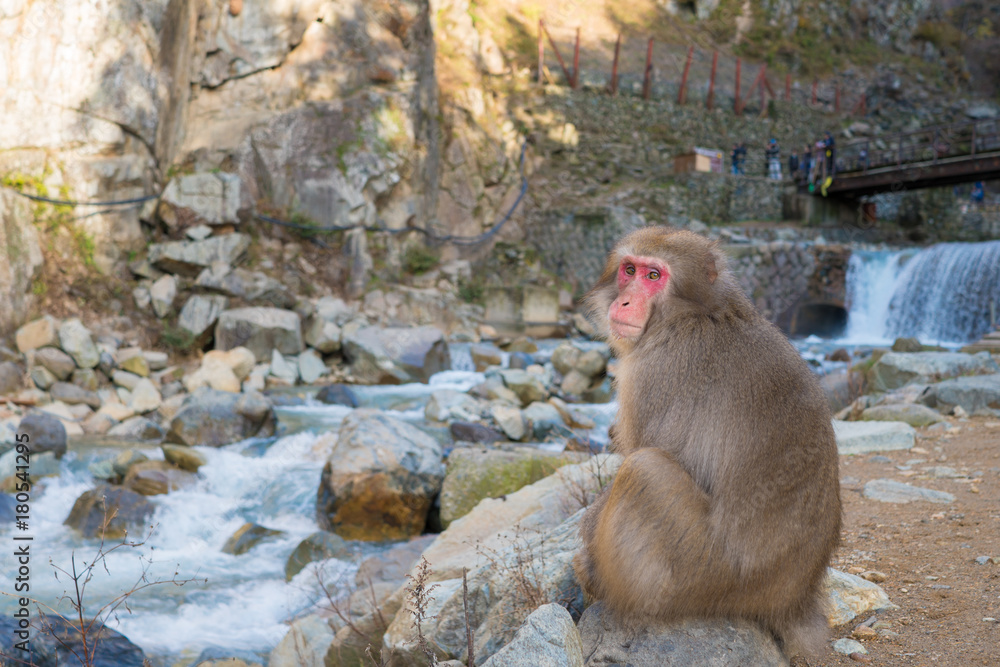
{"points": [[728, 501]]}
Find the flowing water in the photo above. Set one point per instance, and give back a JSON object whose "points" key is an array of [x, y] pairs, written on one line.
{"points": [[946, 294], [239, 604]]}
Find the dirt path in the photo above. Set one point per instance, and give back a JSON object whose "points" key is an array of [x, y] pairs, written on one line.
{"points": [[928, 551]]}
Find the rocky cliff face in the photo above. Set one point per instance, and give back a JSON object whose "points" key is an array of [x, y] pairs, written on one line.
{"points": [[329, 112]]}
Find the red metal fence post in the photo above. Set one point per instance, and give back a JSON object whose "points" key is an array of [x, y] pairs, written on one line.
{"points": [[684, 77], [648, 76], [541, 53], [562, 63], [576, 62], [736, 96], [711, 82], [614, 66], [763, 90]]}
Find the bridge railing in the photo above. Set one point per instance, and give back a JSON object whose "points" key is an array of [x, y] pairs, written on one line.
{"points": [[925, 145]]}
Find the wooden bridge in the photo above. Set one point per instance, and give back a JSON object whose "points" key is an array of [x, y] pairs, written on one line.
{"points": [[929, 157]]}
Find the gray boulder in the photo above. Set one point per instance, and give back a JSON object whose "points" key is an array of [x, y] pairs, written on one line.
{"points": [[45, 433], [545, 420], [214, 418], [162, 294], [209, 198], [529, 387], [891, 491], [189, 258], [322, 335], [851, 596], [311, 366], [485, 355], [548, 638], [565, 356], [199, 315], [261, 330], [137, 429], [914, 415], [380, 479], [497, 602], [448, 404], [58, 362], [70, 394], [980, 393], [873, 436], [394, 355], [11, 378], [252, 286], [897, 369], [75, 340], [306, 643], [719, 643]]}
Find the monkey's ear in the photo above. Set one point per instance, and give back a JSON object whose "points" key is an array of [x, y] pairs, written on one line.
{"points": [[711, 270]]}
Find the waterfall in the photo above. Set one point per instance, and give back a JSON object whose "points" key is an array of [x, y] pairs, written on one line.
{"points": [[872, 277], [947, 293], [942, 294]]}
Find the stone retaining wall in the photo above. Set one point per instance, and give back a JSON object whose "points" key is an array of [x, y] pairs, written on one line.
{"points": [[784, 278]]}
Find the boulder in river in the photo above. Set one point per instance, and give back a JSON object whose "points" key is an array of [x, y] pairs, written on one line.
{"points": [[45, 433], [215, 418], [247, 537], [60, 643], [153, 478], [112, 511], [337, 394], [321, 545], [380, 479]]}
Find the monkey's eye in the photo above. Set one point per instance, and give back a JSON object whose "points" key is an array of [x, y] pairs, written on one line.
{"points": [[630, 270], [654, 275]]}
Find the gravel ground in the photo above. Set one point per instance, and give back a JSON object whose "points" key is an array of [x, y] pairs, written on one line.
{"points": [[940, 561]]}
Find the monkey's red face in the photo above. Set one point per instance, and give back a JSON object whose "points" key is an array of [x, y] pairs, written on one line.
{"points": [[639, 280]]}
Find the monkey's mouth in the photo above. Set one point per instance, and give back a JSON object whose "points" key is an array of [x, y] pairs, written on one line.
{"points": [[624, 329]]}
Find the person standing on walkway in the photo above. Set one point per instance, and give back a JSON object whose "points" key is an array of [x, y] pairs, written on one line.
{"points": [[773, 154], [807, 163], [828, 154], [793, 164]]}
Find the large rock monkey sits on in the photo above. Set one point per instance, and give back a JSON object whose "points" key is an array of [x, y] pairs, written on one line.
{"points": [[728, 501]]}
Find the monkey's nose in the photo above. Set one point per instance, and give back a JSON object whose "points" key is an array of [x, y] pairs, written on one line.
{"points": [[624, 304]]}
